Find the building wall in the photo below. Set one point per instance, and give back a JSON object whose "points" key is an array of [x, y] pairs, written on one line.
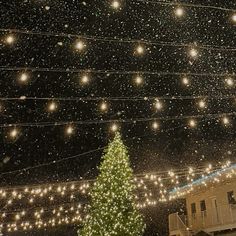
{"points": [[219, 213]]}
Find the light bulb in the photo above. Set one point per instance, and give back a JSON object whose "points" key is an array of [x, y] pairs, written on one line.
{"points": [[140, 49], [225, 120], [179, 11], [158, 104], [185, 81], [138, 80], [14, 133], [23, 77], [115, 4], [103, 106], [193, 52], [10, 39], [202, 104], [84, 79], [234, 17], [79, 45], [114, 127], [52, 106], [229, 81], [155, 125], [192, 123], [69, 130]]}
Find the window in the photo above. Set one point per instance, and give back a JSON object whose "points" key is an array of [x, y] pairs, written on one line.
{"points": [[193, 210], [231, 198], [203, 205]]}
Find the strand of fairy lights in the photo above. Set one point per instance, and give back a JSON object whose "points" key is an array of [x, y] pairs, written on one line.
{"points": [[80, 45]]}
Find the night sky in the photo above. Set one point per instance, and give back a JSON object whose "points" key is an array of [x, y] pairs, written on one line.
{"points": [[55, 68]]}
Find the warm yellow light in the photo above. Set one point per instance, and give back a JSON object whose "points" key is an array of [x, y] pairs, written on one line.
{"points": [[179, 11], [79, 45], [225, 120], [155, 125], [234, 17], [185, 81], [158, 104], [192, 123], [84, 79], [140, 49], [115, 4], [202, 104], [103, 106], [138, 80], [114, 127], [14, 132], [229, 82], [69, 130], [10, 39], [52, 106], [23, 77], [193, 52]]}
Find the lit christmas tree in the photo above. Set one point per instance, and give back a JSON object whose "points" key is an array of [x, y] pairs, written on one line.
{"points": [[113, 210]]}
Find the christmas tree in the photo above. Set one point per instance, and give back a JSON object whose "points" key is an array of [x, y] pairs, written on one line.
{"points": [[113, 210]]}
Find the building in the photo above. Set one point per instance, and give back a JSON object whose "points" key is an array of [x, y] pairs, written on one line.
{"points": [[210, 204]]}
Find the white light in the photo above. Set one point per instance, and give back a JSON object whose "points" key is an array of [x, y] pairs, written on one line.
{"points": [[192, 123], [158, 105], [138, 80], [225, 120], [10, 39], [114, 127], [52, 106], [185, 81], [179, 11], [140, 49], [202, 104], [115, 4], [234, 17], [103, 106], [230, 82], [155, 125], [85, 79], [193, 52], [79, 45]]}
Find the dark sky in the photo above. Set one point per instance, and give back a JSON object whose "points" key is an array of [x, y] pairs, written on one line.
{"points": [[174, 145]]}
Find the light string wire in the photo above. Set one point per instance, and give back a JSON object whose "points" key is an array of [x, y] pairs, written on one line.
{"points": [[118, 72], [131, 120], [122, 40], [186, 5]]}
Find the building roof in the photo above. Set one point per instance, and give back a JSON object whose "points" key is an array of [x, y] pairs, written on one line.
{"points": [[213, 179]]}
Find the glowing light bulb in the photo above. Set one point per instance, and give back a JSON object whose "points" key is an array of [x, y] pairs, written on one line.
{"points": [[192, 123], [69, 130], [158, 104], [202, 104], [225, 120], [24, 77], [10, 39], [85, 79], [179, 11], [138, 80], [52, 106], [115, 4], [114, 127], [155, 125], [14, 133], [234, 17], [193, 52], [103, 106], [140, 49], [79, 45], [229, 81], [185, 81]]}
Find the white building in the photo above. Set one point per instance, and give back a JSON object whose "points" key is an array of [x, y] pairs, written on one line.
{"points": [[210, 204]]}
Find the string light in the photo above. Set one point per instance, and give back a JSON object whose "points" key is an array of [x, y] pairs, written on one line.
{"points": [[52, 106], [185, 81], [225, 121], [179, 12], [155, 125], [69, 130], [138, 80], [202, 104], [193, 52], [14, 133], [103, 106], [158, 104], [10, 39], [84, 79], [234, 17], [192, 123], [23, 77], [79, 45], [114, 127], [115, 4], [139, 50], [229, 82]]}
